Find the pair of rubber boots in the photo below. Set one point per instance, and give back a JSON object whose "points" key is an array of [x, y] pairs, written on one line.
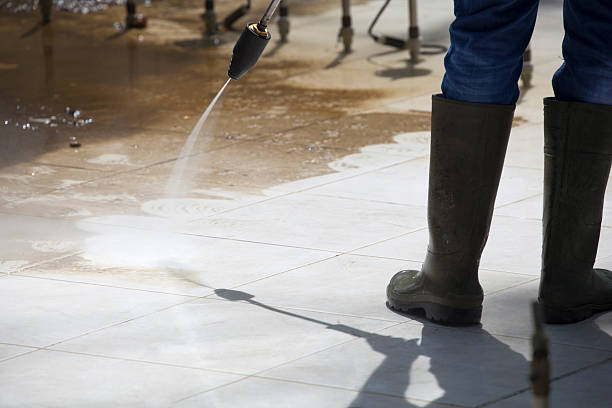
{"points": [[468, 146]]}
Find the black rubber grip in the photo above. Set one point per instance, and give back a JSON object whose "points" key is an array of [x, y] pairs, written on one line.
{"points": [[246, 52]]}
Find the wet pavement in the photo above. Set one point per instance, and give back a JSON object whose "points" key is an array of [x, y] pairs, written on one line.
{"points": [[304, 193]]}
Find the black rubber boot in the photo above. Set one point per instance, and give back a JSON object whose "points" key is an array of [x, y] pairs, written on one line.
{"points": [[468, 147], [578, 152]]}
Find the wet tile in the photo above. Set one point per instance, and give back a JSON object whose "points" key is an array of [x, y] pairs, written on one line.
{"points": [[424, 363], [25, 180], [343, 168], [509, 313], [223, 335], [262, 393], [348, 284], [37, 312], [9, 350], [29, 240], [404, 183], [107, 148], [172, 263], [311, 221], [71, 380]]}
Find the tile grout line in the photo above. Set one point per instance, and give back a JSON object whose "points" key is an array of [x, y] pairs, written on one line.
{"points": [[535, 278], [121, 322], [57, 258], [519, 201], [20, 275], [299, 358], [289, 193], [111, 174]]}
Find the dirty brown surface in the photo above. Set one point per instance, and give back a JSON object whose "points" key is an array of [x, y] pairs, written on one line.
{"points": [[132, 94]]}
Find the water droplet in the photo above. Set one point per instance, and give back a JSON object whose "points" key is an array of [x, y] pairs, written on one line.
{"points": [[6, 122], [76, 113]]}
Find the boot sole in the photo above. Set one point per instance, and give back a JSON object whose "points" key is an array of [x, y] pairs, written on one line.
{"points": [[559, 315], [437, 313]]}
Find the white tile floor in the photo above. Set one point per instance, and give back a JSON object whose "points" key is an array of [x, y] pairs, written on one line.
{"points": [[111, 303]]}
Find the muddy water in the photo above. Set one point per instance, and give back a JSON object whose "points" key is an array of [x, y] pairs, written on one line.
{"points": [[129, 83]]}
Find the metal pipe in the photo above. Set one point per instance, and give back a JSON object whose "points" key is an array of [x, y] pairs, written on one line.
{"points": [[45, 9], [346, 31], [265, 20], [210, 18], [283, 21], [346, 8], [414, 42]]}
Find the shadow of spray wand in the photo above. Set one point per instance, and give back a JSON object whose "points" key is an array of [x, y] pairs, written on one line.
{"points": [[238, 296]]}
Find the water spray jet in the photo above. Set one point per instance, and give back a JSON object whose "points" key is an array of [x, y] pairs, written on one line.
{"points": [[251, 44]]}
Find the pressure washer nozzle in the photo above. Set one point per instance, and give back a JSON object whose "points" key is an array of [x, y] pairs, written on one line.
{"points": [[247, 50]]}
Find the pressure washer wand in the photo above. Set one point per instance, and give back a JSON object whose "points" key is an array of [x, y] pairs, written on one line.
{"points": [[251, 44]]}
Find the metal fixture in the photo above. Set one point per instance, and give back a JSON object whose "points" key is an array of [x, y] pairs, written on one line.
{"points": [[251, 44], [133, 20], [346, 31], [413, 43], [45, 10], [210, 18], [283, 21]]}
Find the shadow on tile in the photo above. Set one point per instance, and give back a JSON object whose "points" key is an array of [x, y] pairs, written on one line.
{"points": [[465, 367]]}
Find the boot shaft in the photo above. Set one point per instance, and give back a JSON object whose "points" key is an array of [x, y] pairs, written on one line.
{"points": [[468, 147], [578, 150]]}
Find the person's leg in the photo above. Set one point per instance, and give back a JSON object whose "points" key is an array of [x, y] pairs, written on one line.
{"points": [[586, 73], [488, 40], [469, 133], [578, 155], [470, 128], [468, 146]]}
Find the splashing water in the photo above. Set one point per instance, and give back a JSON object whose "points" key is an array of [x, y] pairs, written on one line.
{"points": [[174, 182]]}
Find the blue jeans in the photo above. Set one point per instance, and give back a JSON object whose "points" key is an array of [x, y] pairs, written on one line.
{"points": [[489, 37]]}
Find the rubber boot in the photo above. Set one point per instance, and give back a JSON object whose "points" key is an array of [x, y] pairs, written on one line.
{"points": [[468, 147], [578, 152]]}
